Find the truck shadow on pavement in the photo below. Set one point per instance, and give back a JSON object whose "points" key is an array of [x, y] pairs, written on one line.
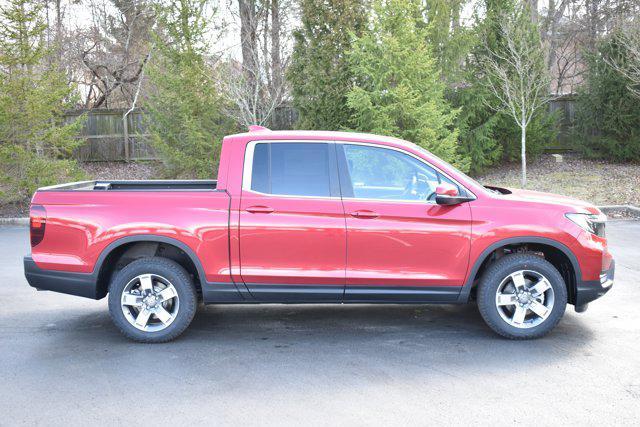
{"points": [[417, 335]]}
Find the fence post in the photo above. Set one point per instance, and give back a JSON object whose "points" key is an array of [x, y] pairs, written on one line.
{"points": [[125, 126]]}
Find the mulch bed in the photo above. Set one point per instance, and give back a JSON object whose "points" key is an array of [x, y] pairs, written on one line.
{"points": [[122, 170]]}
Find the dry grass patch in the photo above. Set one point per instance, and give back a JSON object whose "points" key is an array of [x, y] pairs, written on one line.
{"points": [[594, 181]]}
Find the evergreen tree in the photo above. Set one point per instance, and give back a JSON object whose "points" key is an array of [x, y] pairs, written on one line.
{"points": [[319, 74], [398, 90], [185, 107], [450, 42], [607, 113], [35, 143]]}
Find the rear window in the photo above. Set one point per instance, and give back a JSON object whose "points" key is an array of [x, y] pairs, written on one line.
{"points": [[291, 169]]}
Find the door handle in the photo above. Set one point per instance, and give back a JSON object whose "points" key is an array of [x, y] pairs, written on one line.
{"points": [[365, 214], [259, 209]]}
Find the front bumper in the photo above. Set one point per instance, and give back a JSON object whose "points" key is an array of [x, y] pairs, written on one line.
{"points": [[80, 284], [587, 291]]}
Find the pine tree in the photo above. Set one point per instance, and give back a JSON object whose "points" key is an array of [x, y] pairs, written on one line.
{"points": [[398, 90], [319, 74], [185, 107], [449, 40], [35, 142]]}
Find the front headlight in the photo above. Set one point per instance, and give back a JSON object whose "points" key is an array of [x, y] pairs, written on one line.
{"points": [[594, 224]]}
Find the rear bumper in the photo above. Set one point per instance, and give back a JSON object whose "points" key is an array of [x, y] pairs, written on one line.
{"points": [[587, 291], [80, 284]]}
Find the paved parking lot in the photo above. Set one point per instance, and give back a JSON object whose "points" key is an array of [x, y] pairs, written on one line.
{"points": [[62, 361]]}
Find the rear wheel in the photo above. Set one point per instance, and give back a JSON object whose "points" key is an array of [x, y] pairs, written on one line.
{"points": [[522, 296], [152, 300]]}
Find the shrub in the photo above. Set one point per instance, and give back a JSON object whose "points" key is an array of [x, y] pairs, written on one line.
{"points": [[607, 113], [23, 172], [35, 142]]}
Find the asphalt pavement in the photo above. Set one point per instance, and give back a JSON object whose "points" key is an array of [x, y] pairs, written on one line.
{"points": [[63, 362]]}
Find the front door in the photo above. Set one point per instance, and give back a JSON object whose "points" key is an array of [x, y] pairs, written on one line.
{"points": [[402, 246], [292, 228]]}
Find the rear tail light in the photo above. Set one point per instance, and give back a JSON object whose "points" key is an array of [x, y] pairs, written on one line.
{"points": [[37, 223]]}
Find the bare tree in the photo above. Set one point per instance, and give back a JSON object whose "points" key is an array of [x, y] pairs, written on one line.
{"points": [[117, 50], [516, 72], [257, 86], [566, 60], [573, 27], [628, 38]]}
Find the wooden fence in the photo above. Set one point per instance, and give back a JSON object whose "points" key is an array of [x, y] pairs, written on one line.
{"points": [[104, 135], [567, 106], [104, 131]]}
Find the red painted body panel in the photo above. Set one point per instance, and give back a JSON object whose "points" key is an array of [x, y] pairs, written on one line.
{"points": [[312, 241], [80, 225], [303, 241], [408, 244]]}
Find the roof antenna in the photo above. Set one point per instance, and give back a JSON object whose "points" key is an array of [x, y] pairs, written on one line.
{"points": [[257, 128]]}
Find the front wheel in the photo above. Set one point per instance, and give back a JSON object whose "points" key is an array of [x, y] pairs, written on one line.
{"points": [[522, 296], [152, 300]]}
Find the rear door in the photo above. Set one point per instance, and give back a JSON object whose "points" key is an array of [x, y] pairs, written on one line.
{"points": [[292, 229], [402, 246]]}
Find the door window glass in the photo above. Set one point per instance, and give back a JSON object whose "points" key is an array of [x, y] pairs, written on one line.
{"points": [[292, 169], [380, 173]]}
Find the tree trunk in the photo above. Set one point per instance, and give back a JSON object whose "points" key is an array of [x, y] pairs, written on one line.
{"points": [[533, 5], [592, 20], [59, 26], [248, 40], [455, 15], [276, 61], [523, 129]]}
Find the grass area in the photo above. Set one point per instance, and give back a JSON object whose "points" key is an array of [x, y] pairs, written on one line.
{"points": [[594, 181]]}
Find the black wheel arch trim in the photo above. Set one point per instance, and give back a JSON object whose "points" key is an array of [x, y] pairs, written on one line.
{"points": [[468, 285]]}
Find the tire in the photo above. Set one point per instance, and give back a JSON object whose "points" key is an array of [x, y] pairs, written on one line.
{"points": [[514, 284], [152, 300]]}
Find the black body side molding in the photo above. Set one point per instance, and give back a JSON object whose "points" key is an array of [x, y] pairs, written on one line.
{"points": [[402, 294]]}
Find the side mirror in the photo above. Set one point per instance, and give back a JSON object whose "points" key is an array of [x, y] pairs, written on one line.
{"points": [[447, 194]]}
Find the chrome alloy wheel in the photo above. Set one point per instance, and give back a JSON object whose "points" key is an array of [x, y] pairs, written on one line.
{"points": [[150, 302], [524, 299]]}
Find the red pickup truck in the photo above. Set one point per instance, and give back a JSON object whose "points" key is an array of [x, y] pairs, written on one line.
{"points": [[318, 217]]}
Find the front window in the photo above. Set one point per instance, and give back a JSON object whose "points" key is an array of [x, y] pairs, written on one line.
{"points": [[386, 174]]}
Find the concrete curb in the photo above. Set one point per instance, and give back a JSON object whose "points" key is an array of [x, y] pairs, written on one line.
{"points": [[14, 221], [628, 209]]}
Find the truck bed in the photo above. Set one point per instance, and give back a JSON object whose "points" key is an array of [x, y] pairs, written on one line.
{"points": [[140, 185]]}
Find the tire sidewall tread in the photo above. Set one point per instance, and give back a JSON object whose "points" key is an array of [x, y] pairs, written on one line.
{"points": [[492, 278], [173, 272]]}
